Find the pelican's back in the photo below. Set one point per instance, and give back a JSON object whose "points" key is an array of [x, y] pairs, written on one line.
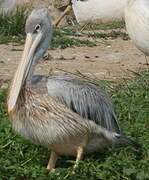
{"points": [[84, 98]]}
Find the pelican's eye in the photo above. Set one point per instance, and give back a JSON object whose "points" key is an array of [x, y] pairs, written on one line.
{"points": [[37, 28]]}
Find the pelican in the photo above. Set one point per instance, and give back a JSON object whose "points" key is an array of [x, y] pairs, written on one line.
{"points": [[137, 23], [95, 10], [64, 114]]}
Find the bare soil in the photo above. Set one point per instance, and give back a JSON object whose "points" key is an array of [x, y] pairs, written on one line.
{"points": [[108, 60]]}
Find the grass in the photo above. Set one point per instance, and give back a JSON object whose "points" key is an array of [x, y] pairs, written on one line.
{"points": [[12, 31], [18, 40], [63, 43], [113, 34], [22, 160], [13, 25], [106, 26]]}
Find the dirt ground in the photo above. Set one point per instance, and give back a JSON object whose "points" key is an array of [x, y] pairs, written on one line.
{"points": [[110, 60]]}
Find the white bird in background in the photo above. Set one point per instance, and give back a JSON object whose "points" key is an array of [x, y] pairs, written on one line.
{"points": [[137, 23], [7, 6], [100, 10], [95, 10]]}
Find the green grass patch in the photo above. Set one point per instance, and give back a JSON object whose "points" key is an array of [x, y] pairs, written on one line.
{"points": [[13, 31], [13, 25], [22, 160], [19, 40], [113, 34], [63, 40], [63, 43], [99, 26], [106, 26]]}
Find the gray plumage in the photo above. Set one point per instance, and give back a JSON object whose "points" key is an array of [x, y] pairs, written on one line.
{"points": [[84, 98]]}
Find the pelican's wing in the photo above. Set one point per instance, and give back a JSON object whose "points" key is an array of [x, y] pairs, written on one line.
{"points": [[84, 98]]}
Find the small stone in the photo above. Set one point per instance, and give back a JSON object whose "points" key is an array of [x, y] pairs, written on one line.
{"points": [[87, 57]]}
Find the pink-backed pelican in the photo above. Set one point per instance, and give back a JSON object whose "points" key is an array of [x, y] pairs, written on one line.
{"points": [[65, 114]]}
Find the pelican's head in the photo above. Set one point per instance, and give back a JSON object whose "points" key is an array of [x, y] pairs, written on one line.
{"points": [[38, 30], [38, 38]]}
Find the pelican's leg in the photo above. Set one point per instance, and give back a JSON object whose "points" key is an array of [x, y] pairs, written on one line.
{"points": [[80, 152], [67, 10], [52, 161]]}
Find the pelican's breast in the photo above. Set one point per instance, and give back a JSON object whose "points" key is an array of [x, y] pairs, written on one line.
{"points": [[44, 121]]}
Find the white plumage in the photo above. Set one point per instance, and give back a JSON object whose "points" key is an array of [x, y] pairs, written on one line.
{"points": [[7, 6], [98, 10], [137, 23]]}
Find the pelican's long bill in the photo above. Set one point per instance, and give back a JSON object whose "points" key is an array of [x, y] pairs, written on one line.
{"points": [[31, 44]]}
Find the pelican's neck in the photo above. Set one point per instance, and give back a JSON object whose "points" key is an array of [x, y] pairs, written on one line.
{"points": [[40, 51], [41, 48], [30, 74]]}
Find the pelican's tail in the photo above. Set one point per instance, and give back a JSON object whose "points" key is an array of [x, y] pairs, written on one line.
{"points": [[113, 138], [121, 140]]}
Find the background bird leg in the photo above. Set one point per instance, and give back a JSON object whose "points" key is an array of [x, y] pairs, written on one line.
{"points": [[67, 10], [79, 157], [147, 63], [52, 161]]}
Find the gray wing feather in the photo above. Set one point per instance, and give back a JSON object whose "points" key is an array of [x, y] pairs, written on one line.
{"points": [[85, 99]]}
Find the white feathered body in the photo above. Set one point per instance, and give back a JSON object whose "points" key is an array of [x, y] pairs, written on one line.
{"points": [[98, 10], [137, 23]]}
